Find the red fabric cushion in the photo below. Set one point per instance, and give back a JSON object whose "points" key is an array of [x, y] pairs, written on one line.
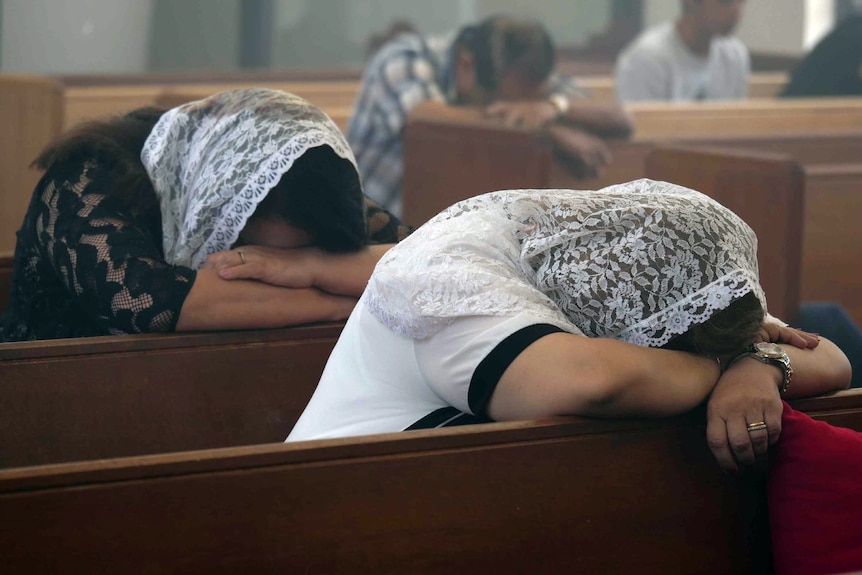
{"points": [[815, 497]]}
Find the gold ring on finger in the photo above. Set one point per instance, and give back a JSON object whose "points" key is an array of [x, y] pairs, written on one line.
{"points": [[756, 426], [241, 256]]}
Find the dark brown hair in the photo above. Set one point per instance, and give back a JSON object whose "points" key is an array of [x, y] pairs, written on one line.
{"points": [[322, 195], [502, 44], [117, 140], [727, 333]]}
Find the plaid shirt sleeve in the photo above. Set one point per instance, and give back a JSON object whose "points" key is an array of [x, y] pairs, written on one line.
{"points": [[408, 81], [398, 79]]}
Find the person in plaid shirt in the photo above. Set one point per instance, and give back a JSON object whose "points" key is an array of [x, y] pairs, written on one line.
{"points": [[504, 63]]}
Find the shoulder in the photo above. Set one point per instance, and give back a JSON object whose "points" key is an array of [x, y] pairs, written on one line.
{"points": [[652, 43], [406, 57], [404, 47], [83, 173], [651, 50], [732, 49]]}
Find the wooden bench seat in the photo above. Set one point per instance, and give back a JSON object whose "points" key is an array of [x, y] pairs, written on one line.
{"points": [[761, 85], [553, 496], [93, 398], [714, 120]]}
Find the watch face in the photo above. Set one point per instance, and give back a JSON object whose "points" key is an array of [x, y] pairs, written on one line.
{"points": [[769, 350]]}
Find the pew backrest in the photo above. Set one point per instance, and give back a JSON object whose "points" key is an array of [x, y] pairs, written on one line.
{"points": [[92, 398], [761, 85], [665, 121], [832, 252], [5, 280], [451, 154], [558, 495]]}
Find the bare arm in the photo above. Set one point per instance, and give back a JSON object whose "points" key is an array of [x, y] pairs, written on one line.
{"points": [[599, 118], [214, 303], [340, 274], [564, 374], [347, 274], [819, 370]]}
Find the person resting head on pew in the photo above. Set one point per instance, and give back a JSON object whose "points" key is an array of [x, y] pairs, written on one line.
{"points": [[833, 67], [159, 221], [482, 314], [694, 58], [503, 63]]}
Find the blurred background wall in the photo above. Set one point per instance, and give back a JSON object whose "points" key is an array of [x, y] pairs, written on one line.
{"points": [[108, 36]]}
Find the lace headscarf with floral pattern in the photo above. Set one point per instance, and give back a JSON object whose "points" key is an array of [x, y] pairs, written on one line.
{"points": [[640, 262], [213, 161]]}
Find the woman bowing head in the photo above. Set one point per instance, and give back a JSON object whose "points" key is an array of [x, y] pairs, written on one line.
{"points": [[235, 211], [641, 299]]}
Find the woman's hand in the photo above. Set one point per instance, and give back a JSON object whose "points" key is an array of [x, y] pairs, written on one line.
{"points": [[585, 155], [339, 274], [293, 268], [523, 114], [746, 394], [775, 333]]}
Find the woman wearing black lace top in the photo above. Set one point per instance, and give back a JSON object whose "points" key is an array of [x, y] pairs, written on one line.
{"points": [[243, 210]]}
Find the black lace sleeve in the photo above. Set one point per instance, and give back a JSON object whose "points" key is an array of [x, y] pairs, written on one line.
{"points": [[109, 263], [383, 227]]}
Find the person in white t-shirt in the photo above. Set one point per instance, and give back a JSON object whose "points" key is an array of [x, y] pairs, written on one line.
{"points": [[694, 58], [641, 299]]}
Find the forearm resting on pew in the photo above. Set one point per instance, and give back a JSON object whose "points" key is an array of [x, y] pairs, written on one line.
{"points": [[340, 274], [601, 119], [214, 303], [564, 374], [820, 370]]}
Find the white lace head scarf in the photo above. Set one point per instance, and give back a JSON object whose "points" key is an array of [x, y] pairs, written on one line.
{"points": [[640, 262], [213, 161]]}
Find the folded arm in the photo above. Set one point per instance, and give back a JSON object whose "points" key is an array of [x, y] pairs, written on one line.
{"points": [[214, 303], [339, 274], [564, 374], [599, 118]]}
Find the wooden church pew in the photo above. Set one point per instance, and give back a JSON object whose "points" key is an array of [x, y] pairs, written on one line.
{"points": [[95, 398], [553, 496], [761, 85], [5, 280], [831, 255], [715, 120]]}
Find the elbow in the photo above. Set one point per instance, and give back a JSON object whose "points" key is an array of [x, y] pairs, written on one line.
{"points": [[596, 393], [833, 375], [837, 370], [625, 125], [624, 132], [843, 373]]}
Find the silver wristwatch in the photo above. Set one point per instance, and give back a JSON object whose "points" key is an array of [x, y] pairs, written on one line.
{"points": [[561, 103], [774, 354]]}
